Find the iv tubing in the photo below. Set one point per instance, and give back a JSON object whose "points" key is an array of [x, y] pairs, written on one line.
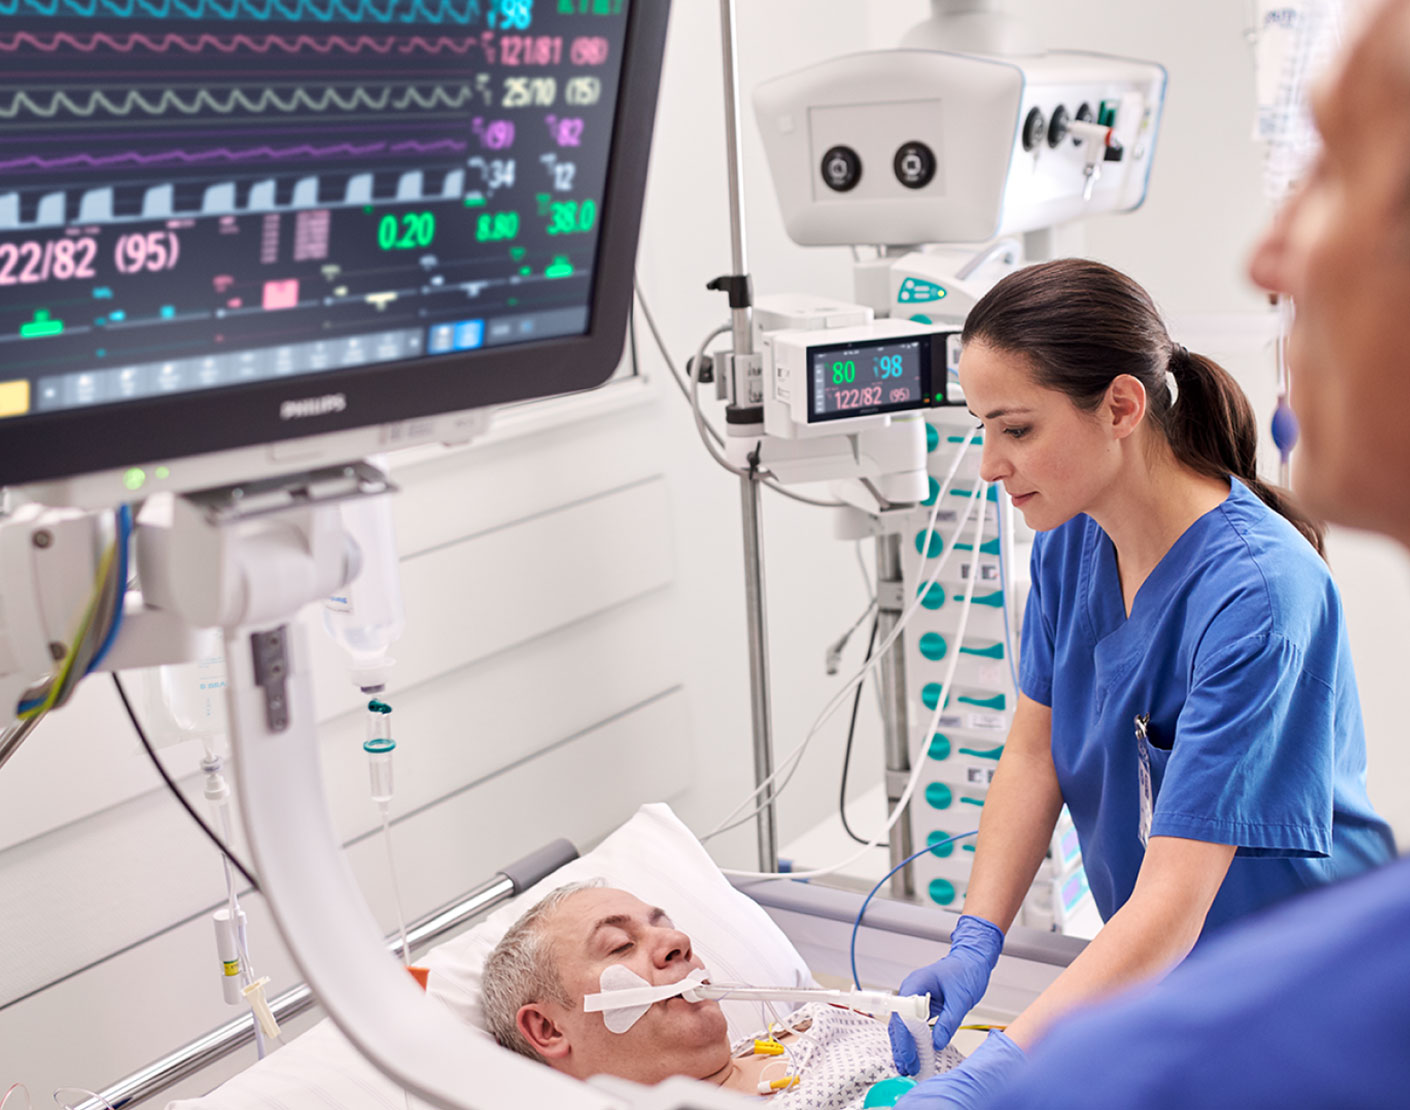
{"points": [[980, 494], [396, 887], [790, 762], [795, 755]]}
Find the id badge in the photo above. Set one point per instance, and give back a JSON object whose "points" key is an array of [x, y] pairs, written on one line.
{"points": [[1143, 774]]}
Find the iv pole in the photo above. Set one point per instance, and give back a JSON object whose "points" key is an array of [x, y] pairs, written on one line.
{"points": [[745, 409]]}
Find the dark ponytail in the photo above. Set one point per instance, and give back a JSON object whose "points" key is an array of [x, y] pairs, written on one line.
{"points": [[1082, 324], [1211, 429]]}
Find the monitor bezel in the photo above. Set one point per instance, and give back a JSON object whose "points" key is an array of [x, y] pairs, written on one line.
{"points": [[46, 446]]}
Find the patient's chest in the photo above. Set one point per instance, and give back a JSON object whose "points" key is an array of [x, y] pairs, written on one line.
{"points": [[839, 1057]]}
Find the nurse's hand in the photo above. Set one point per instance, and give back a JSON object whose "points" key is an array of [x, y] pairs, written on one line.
{"points": [[955, 983], [975, 1083]]}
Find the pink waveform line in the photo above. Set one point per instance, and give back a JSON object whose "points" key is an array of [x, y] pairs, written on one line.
{"points": [[136, 157], [229, 44]]}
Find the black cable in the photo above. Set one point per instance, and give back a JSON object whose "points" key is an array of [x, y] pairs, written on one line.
{"points": [[180, 797], [851, 732], [631, 339]]}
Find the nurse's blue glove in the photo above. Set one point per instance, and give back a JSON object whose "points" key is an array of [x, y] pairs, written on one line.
{"points": [[955, 983], [975, 1083]]}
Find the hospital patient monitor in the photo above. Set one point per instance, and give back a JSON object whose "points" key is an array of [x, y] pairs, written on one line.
{"points": [[238, 224], [244, 245]]}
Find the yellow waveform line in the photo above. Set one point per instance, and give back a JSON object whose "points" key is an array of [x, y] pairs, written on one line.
{"points": [[135, 101]]}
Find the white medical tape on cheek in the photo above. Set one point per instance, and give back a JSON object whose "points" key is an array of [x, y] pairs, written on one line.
{"points": [[626, 996]]}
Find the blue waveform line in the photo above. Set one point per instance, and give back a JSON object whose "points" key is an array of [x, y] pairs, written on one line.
{"points": [[323, 11]]}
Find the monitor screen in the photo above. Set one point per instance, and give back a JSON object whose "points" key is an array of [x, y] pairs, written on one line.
{"points": [[877, 376], [229, 222]]}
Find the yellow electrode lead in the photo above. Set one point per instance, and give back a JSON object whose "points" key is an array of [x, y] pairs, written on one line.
{"points": [[767, 1048], [768, 1086]]}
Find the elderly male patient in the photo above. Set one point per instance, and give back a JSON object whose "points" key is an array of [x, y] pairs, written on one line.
{"points": [[536, 978]]}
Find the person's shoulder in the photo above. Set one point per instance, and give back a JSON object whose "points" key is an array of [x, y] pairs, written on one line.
{"points": [[1245, 995], [1265, 578], [1267, 535]]}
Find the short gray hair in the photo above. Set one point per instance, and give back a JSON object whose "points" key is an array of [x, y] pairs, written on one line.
{"points": [[522, 969]]}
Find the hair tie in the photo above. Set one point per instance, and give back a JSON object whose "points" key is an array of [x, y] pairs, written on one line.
{"points": [[1179, 357]]}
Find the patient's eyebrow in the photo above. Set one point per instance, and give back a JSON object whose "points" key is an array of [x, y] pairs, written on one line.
{"points": [[1015, 411]]}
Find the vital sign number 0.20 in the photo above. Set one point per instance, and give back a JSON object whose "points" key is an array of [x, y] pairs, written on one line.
{"points": [[410, 231]]}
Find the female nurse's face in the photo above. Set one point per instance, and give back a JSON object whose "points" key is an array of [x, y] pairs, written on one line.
{"points": [[1053, 459]]}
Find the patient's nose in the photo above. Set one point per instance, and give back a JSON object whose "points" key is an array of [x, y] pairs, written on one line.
{"points": [[670, 946]]}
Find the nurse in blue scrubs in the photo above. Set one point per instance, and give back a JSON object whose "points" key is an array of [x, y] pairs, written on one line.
{"points": [[1187, 687]]}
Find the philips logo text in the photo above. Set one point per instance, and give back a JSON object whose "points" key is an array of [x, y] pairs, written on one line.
{"points": [[313, 406]]}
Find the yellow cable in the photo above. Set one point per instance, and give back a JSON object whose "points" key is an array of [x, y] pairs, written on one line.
{"points": [[104, 570]]}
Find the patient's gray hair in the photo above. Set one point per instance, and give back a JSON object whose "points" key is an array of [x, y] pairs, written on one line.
{"points": [[522, 969]]}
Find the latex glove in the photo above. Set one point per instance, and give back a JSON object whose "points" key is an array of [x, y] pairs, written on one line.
{"points": [[955, 983], [975, 1083]]}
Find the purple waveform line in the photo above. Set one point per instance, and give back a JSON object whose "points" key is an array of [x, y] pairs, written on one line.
{"points": [[71, 138], [222, 154], [194, 44]]}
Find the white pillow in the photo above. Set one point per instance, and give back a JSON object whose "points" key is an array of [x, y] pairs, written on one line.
{"points": [[655, 857]]}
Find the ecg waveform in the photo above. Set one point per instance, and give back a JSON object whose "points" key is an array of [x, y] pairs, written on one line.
{"points": [[222, 154], [230, 44], [454, 11], [135, 102]]}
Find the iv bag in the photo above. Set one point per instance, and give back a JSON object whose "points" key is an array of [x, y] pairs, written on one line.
{"points": [[366, 617]]}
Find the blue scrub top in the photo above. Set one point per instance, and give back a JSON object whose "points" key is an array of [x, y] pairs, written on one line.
{"points": [[1236, 647], [1303, 1006]]}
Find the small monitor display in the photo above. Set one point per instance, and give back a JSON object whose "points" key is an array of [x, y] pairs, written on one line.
{"points": [[878, 376], [210, 209]]}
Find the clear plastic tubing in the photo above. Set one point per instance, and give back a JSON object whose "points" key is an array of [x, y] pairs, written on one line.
{"points": [[379, 746]]}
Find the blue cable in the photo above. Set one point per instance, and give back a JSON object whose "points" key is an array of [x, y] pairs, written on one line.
{"points": [[856, 925], [124, 523]]}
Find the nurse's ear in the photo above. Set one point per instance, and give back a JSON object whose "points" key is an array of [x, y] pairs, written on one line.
{"points": [[1124, 406]]}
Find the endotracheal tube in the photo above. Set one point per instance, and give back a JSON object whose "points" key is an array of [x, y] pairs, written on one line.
{"points": [[379, 746]]}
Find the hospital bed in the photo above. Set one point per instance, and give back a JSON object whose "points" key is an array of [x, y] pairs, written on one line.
{"points": [[776, 932]]}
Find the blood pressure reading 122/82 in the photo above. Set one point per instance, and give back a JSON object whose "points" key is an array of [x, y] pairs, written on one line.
{"points": [[866, 378]]}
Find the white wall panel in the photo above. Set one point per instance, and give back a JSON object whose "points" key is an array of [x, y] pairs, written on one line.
{"points": [[144, 864], [466, 600], [86, 1030]]}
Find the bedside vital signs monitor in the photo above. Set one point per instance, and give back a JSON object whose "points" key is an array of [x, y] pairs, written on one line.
{"points": [[238, 226]]}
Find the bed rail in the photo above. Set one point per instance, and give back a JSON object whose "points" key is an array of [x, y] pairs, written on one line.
{"points": [[220, 1042]]}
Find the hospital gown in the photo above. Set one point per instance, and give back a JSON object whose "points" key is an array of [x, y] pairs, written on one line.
{"points": [[840, 1056]]}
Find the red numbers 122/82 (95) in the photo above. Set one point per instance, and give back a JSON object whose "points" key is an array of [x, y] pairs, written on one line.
{"points": [[34, 261]]}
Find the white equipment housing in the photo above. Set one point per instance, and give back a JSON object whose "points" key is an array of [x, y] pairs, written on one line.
{"points": [[900, 147], [792, 401], [870, 440]]}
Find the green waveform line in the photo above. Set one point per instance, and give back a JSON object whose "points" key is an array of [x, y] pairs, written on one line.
{"points": [[441, 96]]}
